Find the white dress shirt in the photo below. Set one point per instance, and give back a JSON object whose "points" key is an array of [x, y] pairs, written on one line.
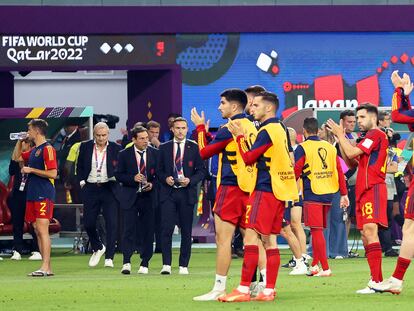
{"points": [[98, 162]]}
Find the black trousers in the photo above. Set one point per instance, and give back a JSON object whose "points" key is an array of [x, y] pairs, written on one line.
{"points": [[157, 227], [385, 234], [176, 207], [140, 217], [95, 198], [17, 205]]}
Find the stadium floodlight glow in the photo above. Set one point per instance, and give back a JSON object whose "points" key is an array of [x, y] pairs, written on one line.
{"points": [[117, 48], [105, 48]]}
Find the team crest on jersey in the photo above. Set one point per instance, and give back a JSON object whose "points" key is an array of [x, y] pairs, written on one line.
{"points": [[38, 151]]}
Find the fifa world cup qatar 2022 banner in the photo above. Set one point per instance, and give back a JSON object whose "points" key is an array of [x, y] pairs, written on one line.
{"points": [[306, 70]]}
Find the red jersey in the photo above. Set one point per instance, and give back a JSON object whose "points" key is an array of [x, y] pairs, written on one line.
{"points": [[372, 165]]}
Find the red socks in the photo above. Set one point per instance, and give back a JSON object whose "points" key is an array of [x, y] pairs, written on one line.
{"points": [[402, 265], [272, 267], [319, 248], [373, 253], [250, 260]]}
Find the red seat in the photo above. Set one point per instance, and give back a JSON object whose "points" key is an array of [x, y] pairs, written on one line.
{"points": [[6, 227]]}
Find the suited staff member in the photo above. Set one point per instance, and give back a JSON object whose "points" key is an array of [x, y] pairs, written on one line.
{"points": [[95, 171], [136, 172], [180, 169]]}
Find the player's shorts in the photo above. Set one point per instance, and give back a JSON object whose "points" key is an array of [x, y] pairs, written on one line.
{"points": [[39, 209], [264, 213], [315, 214], [409, 202], [371, 207], [231, 204]]}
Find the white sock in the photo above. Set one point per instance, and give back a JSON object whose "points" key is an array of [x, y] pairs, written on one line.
{"points": [[268, 291], [220, 282], [243, 289], [263, 273]]}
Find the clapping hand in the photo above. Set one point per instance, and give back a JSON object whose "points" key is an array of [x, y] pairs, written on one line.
{"points": [[335, 128], [235, 128], [407, 86], [196, 118]]}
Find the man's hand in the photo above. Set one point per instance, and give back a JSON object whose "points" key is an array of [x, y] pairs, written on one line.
{"points": [[235, 128], [396, 80], [185, 181], [344, 203], [155, 141], [148, 187], [196, 118], [335, 128], [139, 178], [170, 181], [26, 170], [408, 86]]}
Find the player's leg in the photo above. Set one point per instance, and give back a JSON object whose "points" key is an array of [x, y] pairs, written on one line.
{"points": [[42, 230], [300, 266], [296, 225]]}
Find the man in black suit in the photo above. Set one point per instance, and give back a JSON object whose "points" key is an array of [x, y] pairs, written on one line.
{"points": [[136, 172], [95, 171], [180, 169]]}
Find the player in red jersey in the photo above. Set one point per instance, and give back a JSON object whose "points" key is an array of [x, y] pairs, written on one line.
{"points": [[370, 154], [401, 112], [41, 170]]}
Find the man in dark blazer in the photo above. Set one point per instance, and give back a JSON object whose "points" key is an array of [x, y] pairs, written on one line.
{"points": [[95, 171], [137, 195], [180, 169]]}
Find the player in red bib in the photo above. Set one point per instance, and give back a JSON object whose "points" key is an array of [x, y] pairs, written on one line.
{"points": [[41, 170], [402, 113], [370, 154]]}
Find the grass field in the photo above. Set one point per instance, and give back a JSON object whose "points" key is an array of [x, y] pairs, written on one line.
{"points": [[78, 287]]}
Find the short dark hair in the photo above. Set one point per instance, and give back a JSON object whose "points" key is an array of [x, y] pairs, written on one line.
{"points": [[173, 115], [382, 115], [270, 97], [370, 108], [236, 95], [346, 113], [40, 124], [136, 130], [152, 123], [179, 119], [311, 125], [255, 89]]}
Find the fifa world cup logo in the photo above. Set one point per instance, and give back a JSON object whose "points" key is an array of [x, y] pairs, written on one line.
{"points": [[322, 153]]}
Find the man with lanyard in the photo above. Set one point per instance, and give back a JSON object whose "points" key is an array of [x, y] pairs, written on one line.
{"points": [[232, 180], [95, 171], [41, 170], [402, 113], [275, 186], [316, 162], [370, 154]]}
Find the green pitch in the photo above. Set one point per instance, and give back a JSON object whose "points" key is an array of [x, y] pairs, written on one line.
{"points": [[78, 287]]}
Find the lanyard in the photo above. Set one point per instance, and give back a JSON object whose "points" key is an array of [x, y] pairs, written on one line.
{"points": [[99, 166]]}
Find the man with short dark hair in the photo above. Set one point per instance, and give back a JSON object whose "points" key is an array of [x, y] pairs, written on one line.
{"points": [[180, 169], [370, 154], [153, 128], [136, 169], [42, 170], [275, 185], [251, 92], [316, 162]]}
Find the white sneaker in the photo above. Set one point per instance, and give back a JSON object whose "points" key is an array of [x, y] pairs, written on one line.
{"points": [[96, 257], [126, 268], [391, 285], [210, 296], [183, 270], [300, 268], [324, 273], [313, 270], [339, 257], [143, 270], [369, 289], [1, 258], [109, 263], [35, 256], [16, 256], [166, 269]]}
